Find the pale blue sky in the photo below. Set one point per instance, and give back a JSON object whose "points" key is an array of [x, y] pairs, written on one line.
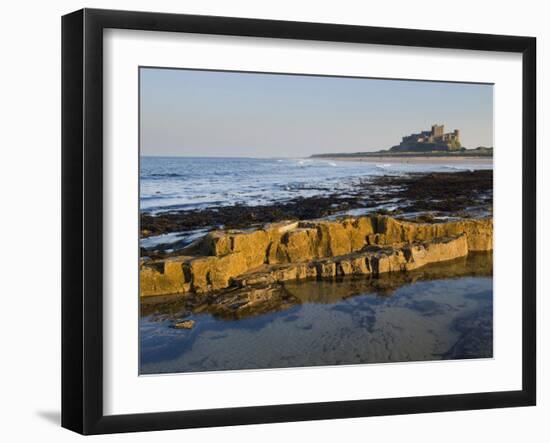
{"points": [[230, 114]]}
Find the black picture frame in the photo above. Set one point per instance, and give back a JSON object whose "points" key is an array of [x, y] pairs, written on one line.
{"points": [[82, 218]]}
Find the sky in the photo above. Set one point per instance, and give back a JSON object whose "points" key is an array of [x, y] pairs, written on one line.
{"points": [[235, 114]]}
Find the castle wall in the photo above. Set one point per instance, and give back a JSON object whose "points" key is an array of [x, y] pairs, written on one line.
{"points": [[434, 140]]}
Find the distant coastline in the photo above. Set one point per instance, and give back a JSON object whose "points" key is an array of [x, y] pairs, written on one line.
{"points": [[408, 158], [431, 144], [413, 154], [426, 144]]}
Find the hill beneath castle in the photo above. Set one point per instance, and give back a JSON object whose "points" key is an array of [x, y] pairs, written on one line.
{"points": [[431, 143], [481, 152]]}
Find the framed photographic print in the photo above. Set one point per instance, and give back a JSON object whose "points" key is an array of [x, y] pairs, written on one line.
{"points": [[269, 221]]}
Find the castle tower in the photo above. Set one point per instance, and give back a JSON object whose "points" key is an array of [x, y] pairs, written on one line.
{"points": [[438, 130], [457, 134]]}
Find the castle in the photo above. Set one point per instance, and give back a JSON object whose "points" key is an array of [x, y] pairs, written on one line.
{"points": [[427, 141]]}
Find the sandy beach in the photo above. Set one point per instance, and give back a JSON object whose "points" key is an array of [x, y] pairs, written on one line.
{"points": [[414, 159]]}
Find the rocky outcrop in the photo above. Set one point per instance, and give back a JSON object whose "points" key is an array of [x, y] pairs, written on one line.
{"points": [[369, 245], [186, 324], [372, 260]]}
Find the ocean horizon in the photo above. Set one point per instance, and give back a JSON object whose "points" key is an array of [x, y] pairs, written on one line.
{"points": [[169, 183]]}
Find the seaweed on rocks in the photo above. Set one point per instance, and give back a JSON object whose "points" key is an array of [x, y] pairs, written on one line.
{"points": [[423, 196]]}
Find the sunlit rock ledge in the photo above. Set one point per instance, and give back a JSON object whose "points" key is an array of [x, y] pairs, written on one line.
{"points": [[321, 249]]}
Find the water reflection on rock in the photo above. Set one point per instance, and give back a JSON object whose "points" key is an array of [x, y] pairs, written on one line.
{"points": [[441, 311]]}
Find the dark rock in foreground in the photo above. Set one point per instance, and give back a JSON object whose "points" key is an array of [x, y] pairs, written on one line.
{"points": [[450, 194]]}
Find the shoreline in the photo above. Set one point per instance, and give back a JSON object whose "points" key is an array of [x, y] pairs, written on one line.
{"points": [[416, 159], [447, 195]]}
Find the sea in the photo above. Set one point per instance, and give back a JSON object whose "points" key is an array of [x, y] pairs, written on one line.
{"points": [[179, 184], [437, 318], [184, 183], [445, 318]]}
